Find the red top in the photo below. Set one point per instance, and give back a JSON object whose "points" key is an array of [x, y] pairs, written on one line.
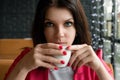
{"points": [[82, 73]]}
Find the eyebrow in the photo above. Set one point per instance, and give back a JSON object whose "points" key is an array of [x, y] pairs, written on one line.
{"points": [[70, 19], [53, 21]]}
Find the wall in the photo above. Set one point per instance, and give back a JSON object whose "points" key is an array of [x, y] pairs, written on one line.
{"points": [[16, 17]]}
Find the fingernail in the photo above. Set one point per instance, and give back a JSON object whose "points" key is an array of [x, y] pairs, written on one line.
{"points": [[60, 47], [68, 64], [68, 47], [56, 68], [62, 62], [64, 53]]}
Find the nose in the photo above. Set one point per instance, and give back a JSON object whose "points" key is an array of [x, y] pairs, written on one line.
{"points": [[60, 31]]}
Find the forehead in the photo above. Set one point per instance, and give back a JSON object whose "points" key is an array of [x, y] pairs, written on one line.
{"points": [[54, 12]]}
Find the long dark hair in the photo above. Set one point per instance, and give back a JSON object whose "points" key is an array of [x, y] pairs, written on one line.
{"points": [[75, 7]]}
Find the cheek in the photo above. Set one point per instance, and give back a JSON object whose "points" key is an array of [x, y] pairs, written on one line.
{"points": [[72, 34], [48, 35]]}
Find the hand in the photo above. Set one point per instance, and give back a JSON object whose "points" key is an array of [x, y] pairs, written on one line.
{"points": [[42, 56], [84, 55]]}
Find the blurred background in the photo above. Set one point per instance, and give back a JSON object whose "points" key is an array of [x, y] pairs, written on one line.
{"points": [[16, 18]]}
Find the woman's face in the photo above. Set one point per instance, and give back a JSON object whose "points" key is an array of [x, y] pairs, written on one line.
{"points": [[59, 26]]}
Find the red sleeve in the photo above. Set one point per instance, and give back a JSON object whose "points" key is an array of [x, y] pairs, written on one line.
{"points": [[25, 51]]}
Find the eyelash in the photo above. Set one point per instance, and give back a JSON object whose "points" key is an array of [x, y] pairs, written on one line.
{"points": [[49, 24], [69, 22], [66, 24]]}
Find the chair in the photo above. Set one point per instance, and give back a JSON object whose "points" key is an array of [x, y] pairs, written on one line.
{"points": [[9, 50]]}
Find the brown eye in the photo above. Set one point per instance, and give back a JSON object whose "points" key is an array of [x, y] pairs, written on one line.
{"points": [[68, 24], [49, 24]]}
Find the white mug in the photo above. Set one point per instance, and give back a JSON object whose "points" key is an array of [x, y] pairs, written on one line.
{"points": [[65, 58]]}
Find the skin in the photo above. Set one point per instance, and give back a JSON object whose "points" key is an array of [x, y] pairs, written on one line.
{"points": [[59, 26], [59, 30]]}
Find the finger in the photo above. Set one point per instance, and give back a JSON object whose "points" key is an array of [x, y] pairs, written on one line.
{"points": [[77, 53], [52, 52], [49, 50], [41, 61], [48, 65], [51, 59], [51, 45], [80, 58], [84, 61], [76, 47], [73, 58]]}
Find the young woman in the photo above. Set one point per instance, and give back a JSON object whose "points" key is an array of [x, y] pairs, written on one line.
{"points": [[58, 23]]}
